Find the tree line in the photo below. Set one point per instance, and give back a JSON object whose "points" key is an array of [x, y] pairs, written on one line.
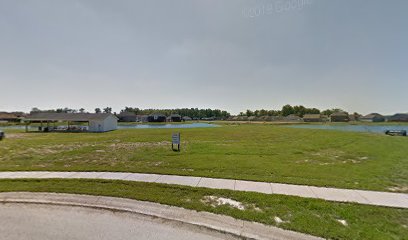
{"points": [[287, 110], [70, 110], [194, 113], [190, 112]]}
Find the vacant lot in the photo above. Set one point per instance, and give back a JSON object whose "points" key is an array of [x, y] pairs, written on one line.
{"points": [[252, 152]]}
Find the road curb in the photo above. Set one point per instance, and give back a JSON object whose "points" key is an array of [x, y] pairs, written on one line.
{"points": [[210, 221]]}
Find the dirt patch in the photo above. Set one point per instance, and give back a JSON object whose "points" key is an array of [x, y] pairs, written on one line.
{"points": [[278, 220], [219, 201], [215, 201], [332, 157], [399, 189], [135, 145], [343, 222], [16, 136]]}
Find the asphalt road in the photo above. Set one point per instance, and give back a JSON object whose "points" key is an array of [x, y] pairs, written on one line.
{"points": [[51, 222]]}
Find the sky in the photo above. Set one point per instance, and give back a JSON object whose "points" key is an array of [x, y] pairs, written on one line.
{"points": [[227, 54]]}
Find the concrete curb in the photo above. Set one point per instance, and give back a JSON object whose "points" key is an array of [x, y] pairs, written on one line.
{"points": [[210, 221]]}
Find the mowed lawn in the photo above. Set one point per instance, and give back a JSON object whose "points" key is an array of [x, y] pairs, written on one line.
{"points": [[251, 152]]}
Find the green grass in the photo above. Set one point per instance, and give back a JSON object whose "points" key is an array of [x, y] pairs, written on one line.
{"points": [[155, 123], [311, 216], [243, 151]]}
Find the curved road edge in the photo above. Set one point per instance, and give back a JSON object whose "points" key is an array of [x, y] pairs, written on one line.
{"points": [[220, 223]]}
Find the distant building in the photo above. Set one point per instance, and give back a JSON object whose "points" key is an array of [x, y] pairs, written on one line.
{"points": [[340, 117], [373, 117], [175, 118], [399, 117], [96, 122], [9, 117], [208, 119], [142, 118], [187, 118], [157, 117], [312, 118], [292, 118], [127, 117]]}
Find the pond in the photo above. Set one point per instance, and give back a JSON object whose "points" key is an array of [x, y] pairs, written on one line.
{"points": [[354, 128], [182, 125]]}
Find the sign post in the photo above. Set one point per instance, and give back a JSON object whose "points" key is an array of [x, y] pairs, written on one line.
{"points": [[175, 140]]}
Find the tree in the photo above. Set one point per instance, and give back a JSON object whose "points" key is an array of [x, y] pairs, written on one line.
{"points": [[287, 110], [263, 112], [329, 112], [107, 110], [34, 110], [82, 110], [249, 113], [97, 110]]}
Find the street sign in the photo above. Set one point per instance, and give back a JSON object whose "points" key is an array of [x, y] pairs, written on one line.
{"points": [[175, 139]]}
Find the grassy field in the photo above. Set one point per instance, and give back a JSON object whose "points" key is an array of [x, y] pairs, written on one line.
{"points": [[317, 217], [243, 151]]}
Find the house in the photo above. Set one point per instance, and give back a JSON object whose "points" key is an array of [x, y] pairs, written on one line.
{"points": [[373, 117], [208, 119], [175, 118], [399, 117], [142, 118], [157, 117], [186, 118], [312, 118], [292, 118], [340, 117], [127, 117], [325, 118], [96, 122], [9, 117]]}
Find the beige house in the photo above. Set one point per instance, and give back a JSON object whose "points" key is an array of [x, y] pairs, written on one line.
{"points": [[312, 118]]}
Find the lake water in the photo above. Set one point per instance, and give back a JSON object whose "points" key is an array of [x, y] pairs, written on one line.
{"points": [[183, 125], [354, 128]]}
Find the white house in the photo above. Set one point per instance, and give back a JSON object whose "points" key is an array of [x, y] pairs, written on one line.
{"points": [[104, 123]]}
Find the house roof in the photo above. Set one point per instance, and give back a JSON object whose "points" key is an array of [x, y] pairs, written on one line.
{"points": [[292, 117], [126, 114], [74, 117], [312, 116], [371, 115], [338, 114], [158, 114], [400, 116], [8, 116], [175, 115]]}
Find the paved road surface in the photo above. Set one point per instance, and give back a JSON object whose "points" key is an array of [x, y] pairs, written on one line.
{"points": [[50, 222]]}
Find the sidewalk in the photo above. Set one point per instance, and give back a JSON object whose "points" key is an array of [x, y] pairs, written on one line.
{"points": [[387, 199]]}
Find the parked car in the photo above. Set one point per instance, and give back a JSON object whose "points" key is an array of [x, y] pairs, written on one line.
{"points": [[1, 135]]}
